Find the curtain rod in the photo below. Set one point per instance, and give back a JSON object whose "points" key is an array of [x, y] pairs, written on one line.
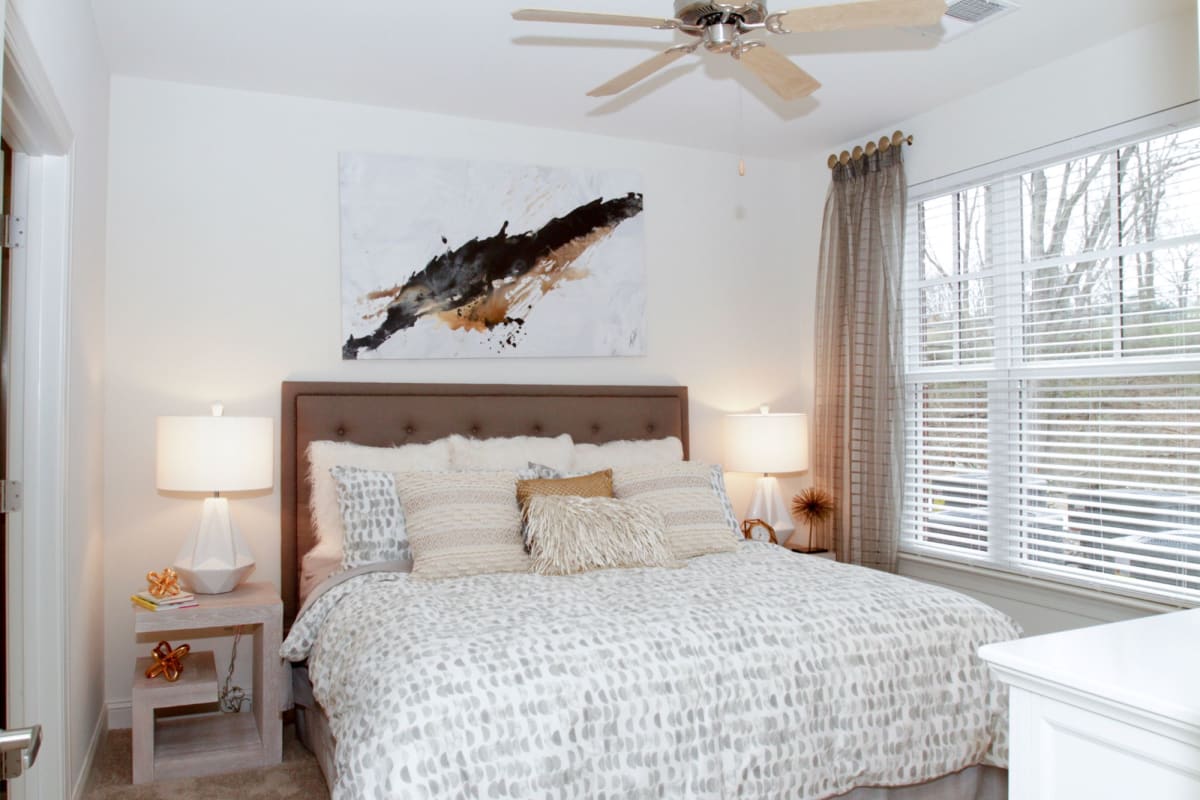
{"points": [[898, 138]]}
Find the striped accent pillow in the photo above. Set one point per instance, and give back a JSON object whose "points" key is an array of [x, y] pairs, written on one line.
{"points": [[462, 523], [683, 494]]}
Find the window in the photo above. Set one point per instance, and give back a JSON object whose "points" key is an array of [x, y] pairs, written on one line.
{"points": [[1052, 370]]}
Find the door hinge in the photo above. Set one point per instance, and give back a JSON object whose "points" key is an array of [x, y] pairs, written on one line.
{"points": [[12, 232], [10, 496]]}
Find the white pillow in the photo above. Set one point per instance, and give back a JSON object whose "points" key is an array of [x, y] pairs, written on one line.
{"points": [[511, 453], [325, 455], [595, 457]]}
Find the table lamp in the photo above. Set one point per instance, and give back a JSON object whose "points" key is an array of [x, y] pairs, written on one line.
{"points": [[767, 443], [215, 454]]}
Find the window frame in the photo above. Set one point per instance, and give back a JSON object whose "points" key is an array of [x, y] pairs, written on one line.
{"points": [[1007, 243]]}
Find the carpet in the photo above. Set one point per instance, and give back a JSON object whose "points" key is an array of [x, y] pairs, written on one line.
{"points": [[297, 777]]}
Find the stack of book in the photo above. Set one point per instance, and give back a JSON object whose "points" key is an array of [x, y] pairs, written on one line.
{"points": [[168, 603]]}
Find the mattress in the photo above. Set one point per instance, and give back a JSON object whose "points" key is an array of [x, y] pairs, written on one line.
{"points": [[758, 673], [317, 566]]}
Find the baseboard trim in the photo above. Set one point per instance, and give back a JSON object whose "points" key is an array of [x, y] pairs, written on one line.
{"points": [[120, 715], [98, 733]]}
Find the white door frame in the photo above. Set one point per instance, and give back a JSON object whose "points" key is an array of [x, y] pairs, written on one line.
{"points": [[36, 128]]}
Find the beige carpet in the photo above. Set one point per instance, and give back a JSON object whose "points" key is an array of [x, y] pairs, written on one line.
{"points": [[297, 777]]}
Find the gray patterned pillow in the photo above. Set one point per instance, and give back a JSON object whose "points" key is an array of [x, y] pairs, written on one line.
{"points": [[572, 534], [536, 471], [372, 517], [718, 485]]}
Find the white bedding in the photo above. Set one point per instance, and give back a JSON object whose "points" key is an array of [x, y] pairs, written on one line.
{"points": [[758, 673]]}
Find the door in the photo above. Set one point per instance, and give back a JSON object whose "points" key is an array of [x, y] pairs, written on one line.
{"points": [[18, 748], [5, 291], [6, 181], [37, 596]]}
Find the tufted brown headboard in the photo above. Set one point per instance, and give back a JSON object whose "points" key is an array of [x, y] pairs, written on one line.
{"points": [[383, 414]]}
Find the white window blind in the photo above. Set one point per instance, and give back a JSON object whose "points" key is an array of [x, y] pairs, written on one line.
{"points": [[1052, 361]]}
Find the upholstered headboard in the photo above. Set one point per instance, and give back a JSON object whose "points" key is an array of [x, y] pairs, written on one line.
{"points": [[384, 414]]}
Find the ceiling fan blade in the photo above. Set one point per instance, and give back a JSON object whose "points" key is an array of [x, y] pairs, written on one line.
{"points": [[641, 71], [866, 14], [583, 18], [778, 72]]}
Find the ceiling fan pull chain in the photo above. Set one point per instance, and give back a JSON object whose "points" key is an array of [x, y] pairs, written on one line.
{"points": [[741, 130]]}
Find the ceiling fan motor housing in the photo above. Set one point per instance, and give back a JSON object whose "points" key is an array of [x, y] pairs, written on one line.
{"points": [[703, 15], [720, 38]]}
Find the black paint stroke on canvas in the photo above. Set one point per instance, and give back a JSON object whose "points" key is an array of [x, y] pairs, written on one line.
{"points": [[469, 275]]}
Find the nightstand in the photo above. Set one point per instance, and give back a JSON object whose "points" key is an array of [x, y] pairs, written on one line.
{"points": [[206, 744], [817, 553]]}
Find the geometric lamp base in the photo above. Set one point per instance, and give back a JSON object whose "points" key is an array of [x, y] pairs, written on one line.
{"points": [[767, 504], [215, 558]]}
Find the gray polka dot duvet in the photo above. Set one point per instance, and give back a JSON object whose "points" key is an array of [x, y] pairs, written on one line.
{"points": [[756, 674]]}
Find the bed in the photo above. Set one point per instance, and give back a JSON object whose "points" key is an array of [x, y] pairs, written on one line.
{"points": [[751, 673]]}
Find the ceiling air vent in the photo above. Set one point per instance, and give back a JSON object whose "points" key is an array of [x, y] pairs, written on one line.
{"points": [[976, 10], [963, 16]]}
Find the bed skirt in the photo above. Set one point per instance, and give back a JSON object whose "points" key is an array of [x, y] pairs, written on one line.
{"points": [[973, 783]]}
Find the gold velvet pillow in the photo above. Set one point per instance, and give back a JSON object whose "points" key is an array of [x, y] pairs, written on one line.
{"points": [[598, 484]]}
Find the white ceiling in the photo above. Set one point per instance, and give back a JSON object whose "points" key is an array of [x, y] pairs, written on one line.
{"points": [[469, 58]]}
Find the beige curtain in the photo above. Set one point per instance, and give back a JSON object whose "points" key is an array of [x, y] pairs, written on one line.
{"points": [[858, 434]]}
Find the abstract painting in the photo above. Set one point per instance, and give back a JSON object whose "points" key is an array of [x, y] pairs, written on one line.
{"points": [[468, 259]]}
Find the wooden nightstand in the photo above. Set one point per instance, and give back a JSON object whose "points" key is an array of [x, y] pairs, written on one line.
{"points": [[206, 744], [817, 553]]}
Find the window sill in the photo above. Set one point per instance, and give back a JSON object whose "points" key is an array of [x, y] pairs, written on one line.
{"points": [[1091, 606]]}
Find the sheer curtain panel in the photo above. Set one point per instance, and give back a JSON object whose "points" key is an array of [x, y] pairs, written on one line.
{"points": [[858, 440]]}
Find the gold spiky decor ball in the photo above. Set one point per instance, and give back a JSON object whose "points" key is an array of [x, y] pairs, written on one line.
{"points": [[813, 506]]}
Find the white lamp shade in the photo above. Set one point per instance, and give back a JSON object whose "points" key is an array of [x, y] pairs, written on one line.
{"points": [[215, 454], [766, 443]]}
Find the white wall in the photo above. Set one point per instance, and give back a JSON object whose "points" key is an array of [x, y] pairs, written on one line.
{"points": [[1141, 72], [223, 282], [64, 36]]}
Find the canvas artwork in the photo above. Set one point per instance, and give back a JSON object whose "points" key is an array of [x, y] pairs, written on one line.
{"points": [[463, 259]]}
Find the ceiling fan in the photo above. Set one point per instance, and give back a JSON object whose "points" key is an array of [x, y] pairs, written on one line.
{"points": [[722, 28]]}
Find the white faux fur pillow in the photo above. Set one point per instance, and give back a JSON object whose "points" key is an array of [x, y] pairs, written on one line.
{"points": [[626, 453], [324, 455], [569, 534], [510, 453]]}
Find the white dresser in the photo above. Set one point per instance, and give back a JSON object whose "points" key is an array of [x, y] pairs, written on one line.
{"points": [[1110, 712]]}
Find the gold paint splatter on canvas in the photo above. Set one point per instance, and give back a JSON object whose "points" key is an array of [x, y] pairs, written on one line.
{"points": [[497, 307]]}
